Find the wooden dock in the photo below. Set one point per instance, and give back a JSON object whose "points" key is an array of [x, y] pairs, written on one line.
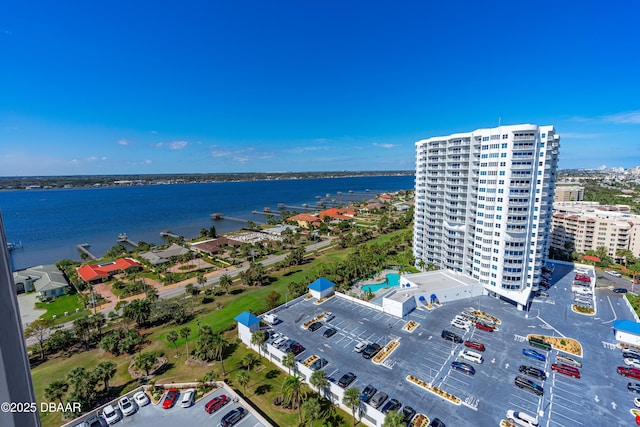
{"points": [[82, 247]]}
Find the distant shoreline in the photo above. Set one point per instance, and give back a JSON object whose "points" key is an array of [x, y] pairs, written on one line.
{"points": [[97, 181]]}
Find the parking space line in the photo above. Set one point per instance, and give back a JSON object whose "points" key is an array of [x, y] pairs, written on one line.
{"points": [[564, 407], [574, 421]]}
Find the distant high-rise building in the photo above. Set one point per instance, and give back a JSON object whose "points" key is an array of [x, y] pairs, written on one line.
{"points": [[483, 205], [568, 193], [15, 375]]}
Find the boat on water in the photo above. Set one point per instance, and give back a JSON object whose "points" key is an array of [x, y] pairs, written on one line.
{"points": [[13, 245]]}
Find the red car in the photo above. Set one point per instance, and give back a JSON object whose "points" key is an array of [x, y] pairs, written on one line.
{"points": [[484, 327], [475, 345], [216, 403], [582, 278], [170, 398], [565, 369], [629, 372]]}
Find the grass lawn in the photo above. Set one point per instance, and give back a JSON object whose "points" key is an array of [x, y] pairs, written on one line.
{"points": [[62, 304]]}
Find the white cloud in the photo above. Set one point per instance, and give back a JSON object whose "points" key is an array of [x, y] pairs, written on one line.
{"points": [[375, 144], [629, 117], [172, 145], [123, 142], [241, 156]]}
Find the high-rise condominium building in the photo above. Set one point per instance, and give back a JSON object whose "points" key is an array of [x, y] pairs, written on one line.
{"points": [[483, 205]]}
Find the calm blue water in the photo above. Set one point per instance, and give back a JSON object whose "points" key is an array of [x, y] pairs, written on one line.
{"points": [[393, 279], [50, 223]]}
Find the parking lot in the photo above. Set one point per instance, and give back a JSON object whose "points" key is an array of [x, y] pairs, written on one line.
{"points": [[155, 416], [600, 394]]}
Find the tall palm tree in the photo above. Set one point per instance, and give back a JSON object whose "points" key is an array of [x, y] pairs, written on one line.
{"points": [[258, 338], [394, 419], [249, 360], [77, 377], [185, 331], [319, 380], [312, 410], [289, 361], [294, 392], [225, 283], [219, 345], [351, 399], [105, 371], [243, 379], [172, 337], [55, 390]]}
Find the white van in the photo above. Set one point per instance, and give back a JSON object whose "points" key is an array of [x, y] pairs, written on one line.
{"points": [[270, 319], [471, 356]]}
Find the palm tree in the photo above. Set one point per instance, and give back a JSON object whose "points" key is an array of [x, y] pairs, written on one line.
{"points": [[55, 390], [294, 392], [172, 337], [243, 379], [351, 399], [312, 410], [185, 331], [249, 360], [289, 361], [319, 380], [219, 345], [258, 338], [77, 377], [105, 371], [394, 419], [145, 361], [225, 283]]}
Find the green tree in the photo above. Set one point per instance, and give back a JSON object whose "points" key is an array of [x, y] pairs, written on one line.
{"points": [[40, 329], [351, 399], [185, 331], [56, 390], [172, 337], [220, 345], [294, 392], [225, 283], [249, 360], [105, 371], [273, 300], [289, 361], [82, 329], [258, 338], [394, 419], [311, 410], [243, 379], [138, 311], [319, 381], [145, 361]]}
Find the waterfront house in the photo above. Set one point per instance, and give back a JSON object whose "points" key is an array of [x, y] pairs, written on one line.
{"points": [[95, 273], [305, 220], [161, 256], [48, 280]]}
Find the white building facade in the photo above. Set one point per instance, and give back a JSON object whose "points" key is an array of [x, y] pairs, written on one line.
{"points": [[483, 205]]}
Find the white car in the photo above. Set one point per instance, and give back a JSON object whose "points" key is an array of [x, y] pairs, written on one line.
{"points": [[460, 325], [188, 398], [110, 415], [141, 398], [614, 273], [360, 346], [636, 402], [634, 363], [521, 418], [126, 406]]}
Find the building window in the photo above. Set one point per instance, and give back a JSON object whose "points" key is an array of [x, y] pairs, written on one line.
{"points": [[505, 136], [504, 145]]}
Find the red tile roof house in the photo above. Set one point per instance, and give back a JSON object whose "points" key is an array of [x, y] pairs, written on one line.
{"points": [[336, 213], [305, 220], [95, 273]]}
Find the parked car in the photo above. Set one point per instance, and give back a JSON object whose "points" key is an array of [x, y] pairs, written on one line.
{"points": [[527, 384], [126, 406], [484, 327], [371, 350], [170, 398], [216, 403], [450, 336], [437, 422], [634, 387], [463, 367], [329, 332], [378, 399], [539, 343], [474, 345], [636, 402], [460, 325], [141, 398], [110, 415], [328, 317], [534, 354], [620, 290], [565, 370], [471, 356], [614, 273], [521, 419], [361, 345], [233, 416], [188, 398], [631, 355], [314, 326], [544, 285], [318, 364], [392, 405], [346, 379], [368, 393], [533, 372], [629, 372], [407, 414], [296, 348], [568, 360], [630, 361]]}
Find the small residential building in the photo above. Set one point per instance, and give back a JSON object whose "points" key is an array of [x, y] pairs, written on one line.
{"points": [[48, 280], [161, 256], [95, 273], [322, 288], [281, 229], [337, 214], [214, 246], [305, 220]]}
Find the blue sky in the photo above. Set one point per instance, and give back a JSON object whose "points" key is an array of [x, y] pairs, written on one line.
{"points": [[123, 87]]}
